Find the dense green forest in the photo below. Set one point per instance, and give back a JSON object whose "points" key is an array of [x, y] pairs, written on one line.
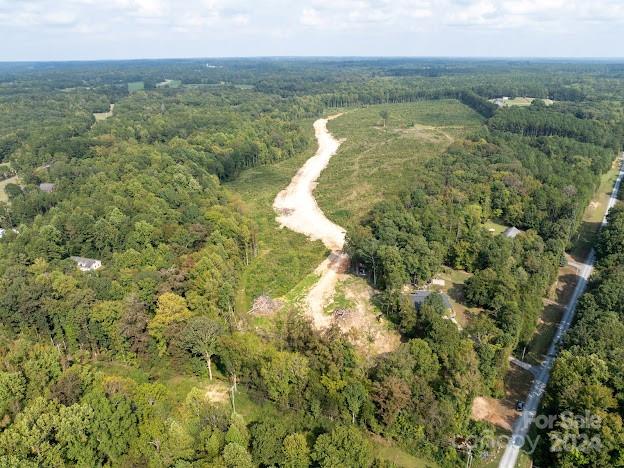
{"points": [[540, 184], [586, 385], [111, 367]]}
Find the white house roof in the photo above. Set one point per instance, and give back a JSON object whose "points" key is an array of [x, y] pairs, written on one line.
{"points": [[3, 232], [419, 297], [512, 232], [86, 262]]}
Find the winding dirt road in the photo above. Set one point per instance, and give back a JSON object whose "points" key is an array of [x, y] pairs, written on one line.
{"points": [[298, 211], [295, 205]]}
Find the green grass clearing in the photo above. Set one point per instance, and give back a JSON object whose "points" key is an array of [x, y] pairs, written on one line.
{"points": [[399, 456], [4, 197], [544, 333], [494, 227], [454, 288], [592, 217], [523, 101], [136, 86], [524, 461], [298, 292], [375, 162], [340, 299]]}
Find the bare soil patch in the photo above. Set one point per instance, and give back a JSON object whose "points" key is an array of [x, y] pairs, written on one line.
{"points": [[501, 412], [217, 392], [298, 210], [295, 205], [368, 329], [493, 411], [321, 294], [429, 133]]}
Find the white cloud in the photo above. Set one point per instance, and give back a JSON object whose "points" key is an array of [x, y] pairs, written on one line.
{"points": [[312, 17], [495, 14], [92, 12], [321, 14], [534, 14], [241, 19], [358, 14], [286, 26]]}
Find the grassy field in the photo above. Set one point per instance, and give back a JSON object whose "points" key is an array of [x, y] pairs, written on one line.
{"points": [[494, 227], [454, 288], [592, 218], [11, 180], [399, 457], [376, 162], [524, 461], [523, 101], [136, 86]]}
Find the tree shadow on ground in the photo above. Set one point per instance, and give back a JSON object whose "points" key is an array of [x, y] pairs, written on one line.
{"points": [[457, 293], [517, 384], [565, 287], [584, 240]]}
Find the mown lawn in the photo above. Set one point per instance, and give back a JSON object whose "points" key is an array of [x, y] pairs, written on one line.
{"points": [[494, 227], [454, 288], [375, 162]]}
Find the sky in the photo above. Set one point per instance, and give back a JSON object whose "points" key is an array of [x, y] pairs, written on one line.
{"points": [[122, 29]]}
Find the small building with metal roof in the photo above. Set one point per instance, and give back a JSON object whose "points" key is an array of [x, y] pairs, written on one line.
{"points": [[419, 298]]}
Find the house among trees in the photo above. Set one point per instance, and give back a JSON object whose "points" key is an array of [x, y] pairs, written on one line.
{"points": [[47, 187], [512, 232], [419, 298], [500, 102], [87, 264], [3, 232]]}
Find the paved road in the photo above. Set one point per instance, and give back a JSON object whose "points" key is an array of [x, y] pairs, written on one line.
{"points": [[522, 424]]}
